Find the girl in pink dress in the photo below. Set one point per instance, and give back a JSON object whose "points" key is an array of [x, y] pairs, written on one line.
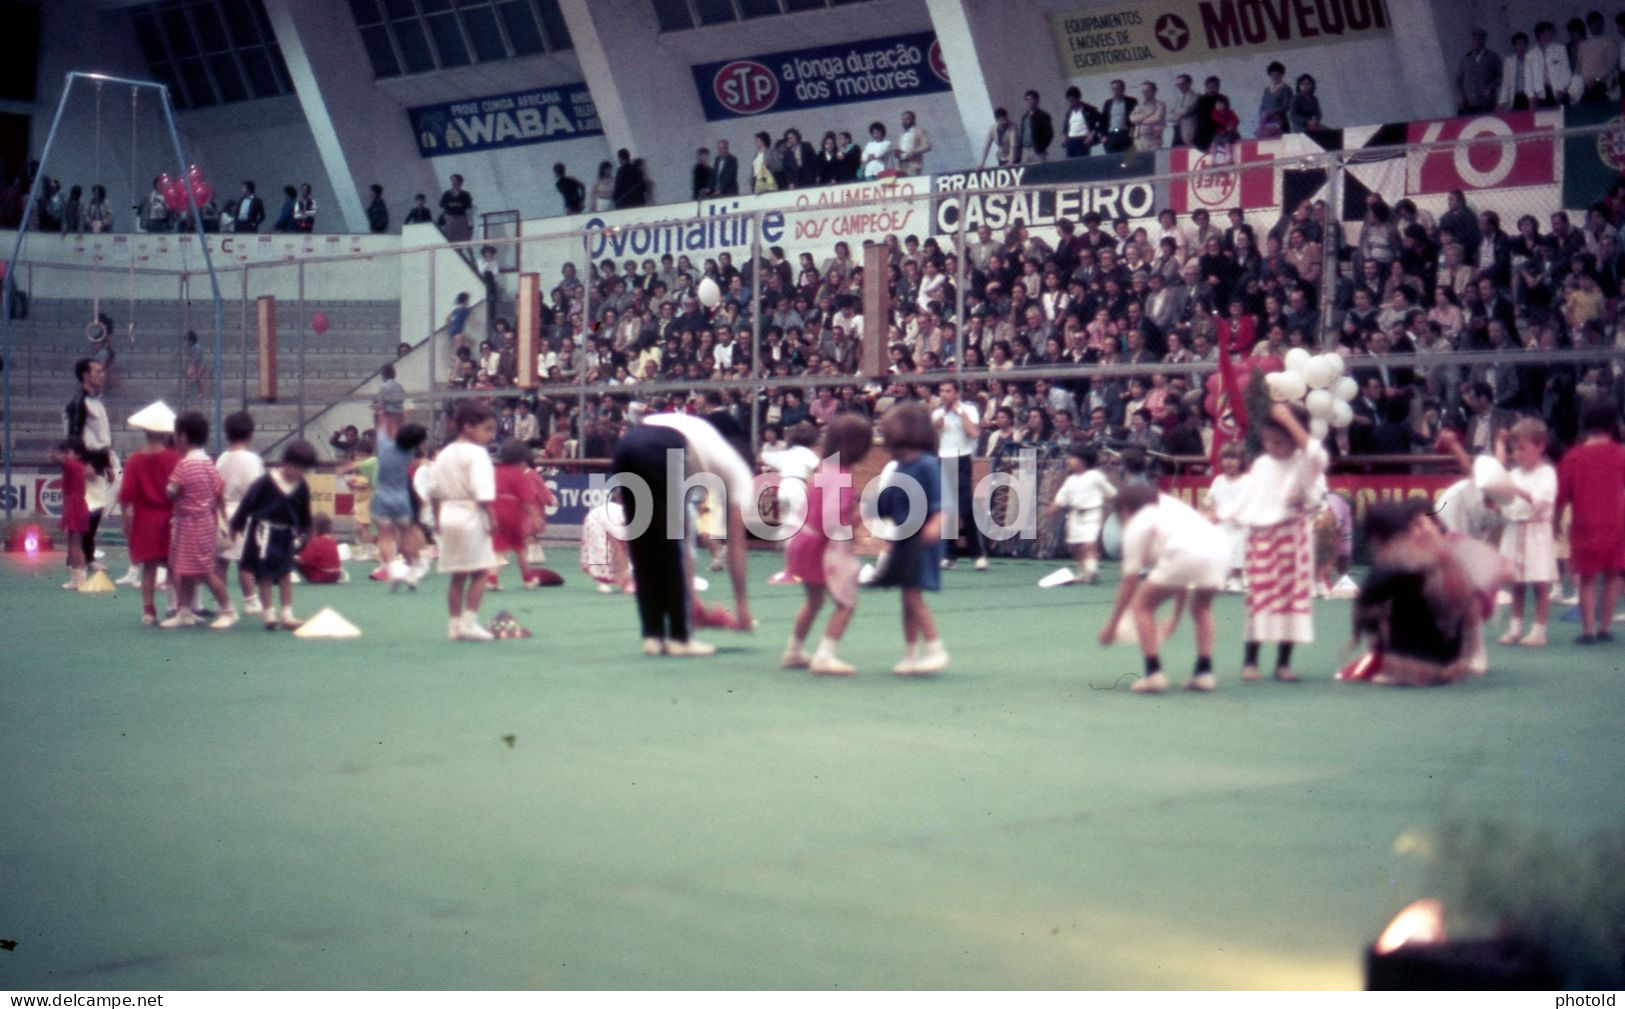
{"points": [[821, 553], [198, 493]]}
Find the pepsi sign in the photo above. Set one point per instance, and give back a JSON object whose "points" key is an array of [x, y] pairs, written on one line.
{"points": [[866, 71]]}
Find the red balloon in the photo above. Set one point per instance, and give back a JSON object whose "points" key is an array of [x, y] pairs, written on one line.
{"points": [[194, 173], [175, 199], [318, 322], [202, 191], [165, 180]]}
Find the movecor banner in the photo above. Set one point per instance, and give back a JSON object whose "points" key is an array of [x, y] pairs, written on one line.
{"points": [[865, 71], [1101, 185], [536, 116], [1128, 36]]}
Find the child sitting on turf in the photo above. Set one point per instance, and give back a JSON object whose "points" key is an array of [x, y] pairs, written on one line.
{"points": [[1083, 496], [145, 505], [319, 562], [462, 487], [914, 562], [821, 556], [1591, 479], [520, 509], [195, 487], [70, 455], [1276, 505], [1527, 542], [1182, 555], [1418, 604], [273, 518]]}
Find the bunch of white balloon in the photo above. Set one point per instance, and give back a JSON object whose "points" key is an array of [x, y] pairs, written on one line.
{"points": [[1317, 381]]}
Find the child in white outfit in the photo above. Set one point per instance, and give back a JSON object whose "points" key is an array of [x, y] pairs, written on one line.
{"points": [[462, 485], [1527, 543], [1084, 496]]}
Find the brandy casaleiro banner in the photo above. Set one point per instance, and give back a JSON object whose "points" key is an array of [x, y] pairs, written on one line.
{"points": [[1129, 36]]}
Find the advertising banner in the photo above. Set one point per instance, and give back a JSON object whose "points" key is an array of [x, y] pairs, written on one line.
{"points": [[866, 71], [1592, 163], [537, 116], [1099, 185], [1131, 36]]}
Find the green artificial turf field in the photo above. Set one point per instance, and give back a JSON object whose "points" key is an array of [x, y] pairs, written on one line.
{"points": [[194, 809]]}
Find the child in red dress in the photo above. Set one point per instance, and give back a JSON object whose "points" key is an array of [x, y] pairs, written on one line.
{"points": [[520, 508], [75, 513], [319, 561], [197, 490], [1591, 478], [145, 505], [821, 556]]}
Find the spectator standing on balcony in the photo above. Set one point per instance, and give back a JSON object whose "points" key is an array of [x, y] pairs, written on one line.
{"points": [[419, 214], [1115, 122], [1523, 77], [98, 216], [761, 175], [571, 191], [1554, 62], [284, 217], [154, 212], [724, 172], [800, 161], [1182, 112], [1273, 104], [1148, 119], [700, 175], [1001, 140], [1477, 77], [1037, 132], [1596, 61], [378, 211], [457, 212], [304, 211], [250, 209], [879, 154], [1080, 125], [829, 160], [912, 146], [1303, 114], [851, 158], [603, 188], [1206, 125]]}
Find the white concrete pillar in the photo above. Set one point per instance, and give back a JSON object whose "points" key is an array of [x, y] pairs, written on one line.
{"points": [[995, 52]]}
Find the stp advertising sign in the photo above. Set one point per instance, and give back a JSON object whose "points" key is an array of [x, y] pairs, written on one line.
{"points": [[866, 71], [1527, 158]]}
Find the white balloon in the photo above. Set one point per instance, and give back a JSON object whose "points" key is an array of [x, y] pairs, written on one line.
{"points": [[1346, 389], [1318, 429], [1319, 372], [1338, 364], [1296, 360], [1342, 414], [1272, 385], [1319, 404], [1292, 386], [709, 293]]}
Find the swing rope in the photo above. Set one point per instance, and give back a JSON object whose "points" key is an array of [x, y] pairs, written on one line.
{"points": [[135, 98]]}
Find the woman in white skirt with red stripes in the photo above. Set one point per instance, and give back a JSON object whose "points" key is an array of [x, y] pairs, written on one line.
{"points": [[1276, 505]]}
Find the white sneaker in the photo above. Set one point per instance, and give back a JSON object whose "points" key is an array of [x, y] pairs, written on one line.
{"points": [[830, 665], [1510, 637], [470, 630], [795, 658], [690, 649], [252, 607], [131, 577], [73, 583], [1203, 683], [981, 563], [1156, 683], [225, 621], [454, 629], [653, 647], [182, 618], [905, 665], [1536, 638], [149, 619], [933, 659], [290, 621], [606, 588]]}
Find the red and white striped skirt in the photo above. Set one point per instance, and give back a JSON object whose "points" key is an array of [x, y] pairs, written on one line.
{"points": [[1280, 582]]}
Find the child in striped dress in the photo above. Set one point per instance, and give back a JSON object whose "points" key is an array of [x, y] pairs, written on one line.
{"points": [[1276, 505], [197, 490]]}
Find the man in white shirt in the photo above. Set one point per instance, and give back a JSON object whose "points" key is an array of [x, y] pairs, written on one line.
{"points": [[1081, 124], [1523, 77], [1555, 56], [85, 421], [957, 432], [912, 146]]}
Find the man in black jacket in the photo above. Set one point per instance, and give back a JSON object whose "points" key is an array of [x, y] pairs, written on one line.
{"points": [[1035, 133], [631, 190], [724, 172], [250, 209], [571, 191]]}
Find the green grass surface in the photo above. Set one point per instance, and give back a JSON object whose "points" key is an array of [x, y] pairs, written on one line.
{"points": [[193, 809]]}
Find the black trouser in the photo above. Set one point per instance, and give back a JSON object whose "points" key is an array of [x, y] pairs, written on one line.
{"points": [[88, 537], [660, 560], [965, 495]]}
